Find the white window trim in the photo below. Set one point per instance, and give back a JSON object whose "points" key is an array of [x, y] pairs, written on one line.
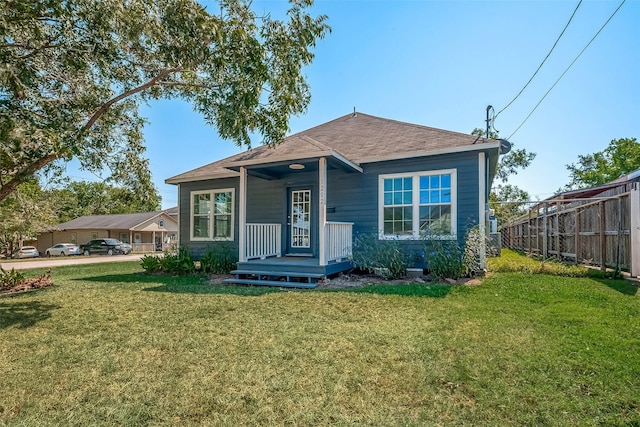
{"points": [[211, 238], [416, 205]]}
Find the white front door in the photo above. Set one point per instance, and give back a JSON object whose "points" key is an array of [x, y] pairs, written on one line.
{"points": [[299, 222]]}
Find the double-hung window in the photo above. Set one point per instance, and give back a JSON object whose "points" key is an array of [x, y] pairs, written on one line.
{"points": [[417, 205], [212, 215]]}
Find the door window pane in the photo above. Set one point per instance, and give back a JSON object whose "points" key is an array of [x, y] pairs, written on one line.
{"points": [[301, 219]]}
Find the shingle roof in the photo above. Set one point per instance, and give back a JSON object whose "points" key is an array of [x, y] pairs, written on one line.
{"points": [[360, 138], [100, 222]]}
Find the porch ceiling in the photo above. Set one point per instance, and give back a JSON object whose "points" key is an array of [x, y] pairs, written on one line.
{"points": [[277, 169]]}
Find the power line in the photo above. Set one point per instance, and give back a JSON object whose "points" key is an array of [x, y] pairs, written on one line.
{"points": [[543, 61], [567, 69]]}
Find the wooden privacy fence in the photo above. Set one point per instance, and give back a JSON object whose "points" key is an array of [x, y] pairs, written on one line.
{"points": [[603, 231]]}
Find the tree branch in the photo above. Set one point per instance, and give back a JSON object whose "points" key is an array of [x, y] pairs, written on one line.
{"points": [[154, 81], [24, 174], [28, 171], [164, 83]]}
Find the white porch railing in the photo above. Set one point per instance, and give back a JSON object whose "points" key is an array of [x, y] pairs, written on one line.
{"points": [[263, 240], [338, 240]]}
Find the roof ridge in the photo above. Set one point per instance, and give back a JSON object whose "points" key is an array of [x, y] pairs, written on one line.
{"points": [[384, 119], [315, 142]]}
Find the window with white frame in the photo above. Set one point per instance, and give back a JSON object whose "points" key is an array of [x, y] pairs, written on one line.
{"points": [[418, 204], [212, 215]]}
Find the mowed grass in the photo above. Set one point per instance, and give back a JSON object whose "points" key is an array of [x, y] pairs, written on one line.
{"points": [[110, 346]]}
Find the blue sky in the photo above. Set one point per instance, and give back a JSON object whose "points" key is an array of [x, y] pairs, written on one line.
{"points": [[439, 64]]}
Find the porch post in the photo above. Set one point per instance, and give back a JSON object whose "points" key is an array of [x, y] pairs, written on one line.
{"points": [[322, 207], [242, 215]]}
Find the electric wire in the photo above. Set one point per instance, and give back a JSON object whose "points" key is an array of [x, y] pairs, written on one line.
{"points": [[567, 69], [543, 61]]}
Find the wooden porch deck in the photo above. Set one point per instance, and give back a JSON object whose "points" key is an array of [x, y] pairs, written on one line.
{"points": [[287, 271]]}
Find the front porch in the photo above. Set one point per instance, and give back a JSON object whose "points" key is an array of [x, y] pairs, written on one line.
{"points": [[302, 247], [264, 264]]}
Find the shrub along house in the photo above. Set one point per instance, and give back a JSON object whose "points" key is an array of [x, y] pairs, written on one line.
{"points": [[292, 210]]}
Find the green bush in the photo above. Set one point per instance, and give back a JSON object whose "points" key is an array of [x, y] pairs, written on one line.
{"points": [[178, 263], [384, 257], [471, 256], [10, 279], [151, 264], [447, 259], [219, 259], [444, 260]]}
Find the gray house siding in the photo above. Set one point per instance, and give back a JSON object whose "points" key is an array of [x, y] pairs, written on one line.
{"points": [[198, 248], [351, 197], [355, 196]]}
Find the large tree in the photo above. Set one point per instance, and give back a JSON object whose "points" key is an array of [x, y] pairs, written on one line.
{"points": [[73, 73], [620, 157], [23, 214], [508, 200]]}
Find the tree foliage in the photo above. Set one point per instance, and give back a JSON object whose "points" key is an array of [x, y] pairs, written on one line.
{"points": [[620, 157], [513, 161], [80, 198], [508, 200], [74, 72], [23, 214]]}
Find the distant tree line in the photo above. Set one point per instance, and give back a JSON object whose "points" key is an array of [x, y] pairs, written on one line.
{"points": [[31, 209]]}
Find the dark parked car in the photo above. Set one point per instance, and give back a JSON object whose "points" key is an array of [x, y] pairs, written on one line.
{"points": [[105, 246]]}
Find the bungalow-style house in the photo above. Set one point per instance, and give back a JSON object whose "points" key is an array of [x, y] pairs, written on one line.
{"points": [[292, 210], [145, 231]]}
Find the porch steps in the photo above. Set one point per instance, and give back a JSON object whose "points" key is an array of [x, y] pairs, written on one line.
{"points": [[287, 279], [279, 284]]}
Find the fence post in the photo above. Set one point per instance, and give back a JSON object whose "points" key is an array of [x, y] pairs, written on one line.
{"points": [[634, 211], [558, 231], [603, 237], [529, 231], [577, 236], [544, 232]]}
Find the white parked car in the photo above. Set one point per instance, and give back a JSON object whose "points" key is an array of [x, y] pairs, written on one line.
{"points": [[28, 252], [63, 249]]}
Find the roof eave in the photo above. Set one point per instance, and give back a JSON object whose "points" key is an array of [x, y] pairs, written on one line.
{"points": [[179, 180], [412, 154], [277, 160]]}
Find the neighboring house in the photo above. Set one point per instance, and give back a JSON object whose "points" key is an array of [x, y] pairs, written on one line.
{"points": [[172, 212], [294, 208], [145, 231], [618, 186]]}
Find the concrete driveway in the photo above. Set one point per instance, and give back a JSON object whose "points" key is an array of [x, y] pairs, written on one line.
{"points": [[25, 264]]}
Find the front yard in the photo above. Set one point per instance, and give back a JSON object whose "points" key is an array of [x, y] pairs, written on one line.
{"points": [[109, 346]]}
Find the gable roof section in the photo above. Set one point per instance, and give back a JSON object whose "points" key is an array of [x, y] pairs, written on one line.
{"points": [[295, 148], [353, 139], [113, 222], [364, 139]]}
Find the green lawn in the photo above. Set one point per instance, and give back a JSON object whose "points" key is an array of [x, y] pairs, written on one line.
{"points": [[110, 346]]}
